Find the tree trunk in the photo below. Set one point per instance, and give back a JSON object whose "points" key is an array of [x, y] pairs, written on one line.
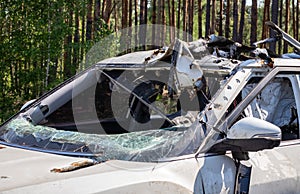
{"points": [[124, 13], [253, 31], [213, 17], [294, 18], [76, 38], [107, 7], [124, 37], [242, 21], [103, 8], [199, 18], [154, 24], [173, 20], [163, 22], [83, 16], [297, 19], [221, 19], [280, 25], [68, 69], [96, 15], [207, 23], [170, 19], [235, 20], [171, 12], [136, 40], [274, 19], [266, 17], [287, 21], [130, 26], [178, 18], [143, 17], [89, 24], [184, 19], [191, 19], [227, 22], [116, 17]]}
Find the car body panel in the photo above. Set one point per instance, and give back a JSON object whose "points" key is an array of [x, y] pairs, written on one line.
{"points": [[276, 170], [32, 174]]}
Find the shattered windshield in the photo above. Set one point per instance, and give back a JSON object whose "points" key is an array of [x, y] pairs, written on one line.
{"points": [[149, 145]]}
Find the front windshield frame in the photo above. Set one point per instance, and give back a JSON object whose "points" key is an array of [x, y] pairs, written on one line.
{"points": [[31, 131], [196, 134]]}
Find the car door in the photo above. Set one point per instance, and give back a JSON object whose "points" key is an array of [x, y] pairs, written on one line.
{"points": [[278, 170]]}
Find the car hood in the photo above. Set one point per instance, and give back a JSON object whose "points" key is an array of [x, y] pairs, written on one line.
{"points": [[24, 171]]}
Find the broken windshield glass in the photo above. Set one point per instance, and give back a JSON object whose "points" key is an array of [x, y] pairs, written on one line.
{"points": [[150, 145]]}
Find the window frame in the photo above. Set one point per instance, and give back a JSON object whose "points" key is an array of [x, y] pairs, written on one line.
{"points": [[233, 116]]}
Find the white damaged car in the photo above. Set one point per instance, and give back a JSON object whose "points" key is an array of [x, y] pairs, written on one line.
{"points": [[160, 122]]}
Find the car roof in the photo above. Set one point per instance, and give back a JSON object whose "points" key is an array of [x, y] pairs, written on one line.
{"points": [[261, 65]]}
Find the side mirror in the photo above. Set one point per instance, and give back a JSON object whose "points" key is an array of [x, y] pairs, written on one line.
{"points": [[253, 134], [249, 134]]}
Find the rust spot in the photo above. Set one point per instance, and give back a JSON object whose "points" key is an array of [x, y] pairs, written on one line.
{"points": [[2, 147], [74, 166]]}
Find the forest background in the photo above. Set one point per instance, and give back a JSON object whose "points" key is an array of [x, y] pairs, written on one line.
{"points": [[43, 43]]}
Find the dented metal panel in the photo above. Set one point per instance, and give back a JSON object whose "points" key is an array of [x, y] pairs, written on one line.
{"points": [[228, 93], [276, 171], [214, 174]]}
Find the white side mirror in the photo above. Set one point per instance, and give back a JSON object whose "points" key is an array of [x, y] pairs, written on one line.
{"points": [[251, 127], [248, 134]]}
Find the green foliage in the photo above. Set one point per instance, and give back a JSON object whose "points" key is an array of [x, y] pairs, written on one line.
{"points": [[33, 38]]}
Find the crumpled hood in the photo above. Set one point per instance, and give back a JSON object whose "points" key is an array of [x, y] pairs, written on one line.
{"points": [[20, 168], [24, 171]]}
